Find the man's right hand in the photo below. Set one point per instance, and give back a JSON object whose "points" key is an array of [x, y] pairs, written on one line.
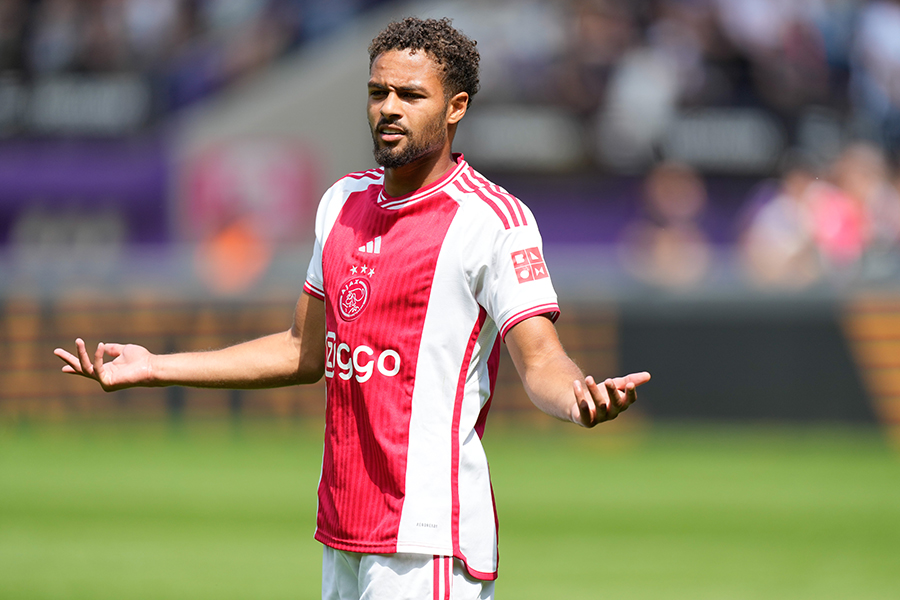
{"points": [[130, 365]]}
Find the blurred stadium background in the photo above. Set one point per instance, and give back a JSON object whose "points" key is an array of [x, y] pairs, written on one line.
{"points": [[717, 181]]}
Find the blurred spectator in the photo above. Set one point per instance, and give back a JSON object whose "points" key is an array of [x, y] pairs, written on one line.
{"points": [[153, 27], [623, 69], [777, 248], [862, 172], [666, 246], [876, 72], [679, 31], [13, 16], [54, 39], [186, 48], [600, 34], [640, 102], [844, 229], [103, 43], [784, 47]]}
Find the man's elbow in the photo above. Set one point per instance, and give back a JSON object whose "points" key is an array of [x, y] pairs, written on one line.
{"points": [[309, 371]]}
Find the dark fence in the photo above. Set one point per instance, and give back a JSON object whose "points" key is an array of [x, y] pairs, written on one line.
{"points": [[761, 360]]}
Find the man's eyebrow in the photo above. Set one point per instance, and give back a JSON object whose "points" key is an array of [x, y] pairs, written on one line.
{"points": [[400, 88]]}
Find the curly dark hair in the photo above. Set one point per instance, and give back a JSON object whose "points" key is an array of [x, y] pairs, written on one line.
{"points": [[451, 49]]}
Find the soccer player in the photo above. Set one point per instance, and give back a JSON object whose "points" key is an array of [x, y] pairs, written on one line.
{"points": [[421, 268]]}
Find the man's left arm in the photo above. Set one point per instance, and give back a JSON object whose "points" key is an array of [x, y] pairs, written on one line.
{"points": [[555, 383]]}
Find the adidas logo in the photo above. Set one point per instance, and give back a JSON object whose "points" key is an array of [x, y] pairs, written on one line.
{"points": [[372, 247]]}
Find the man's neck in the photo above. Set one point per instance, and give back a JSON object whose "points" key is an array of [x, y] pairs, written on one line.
{"points": [[417, 175]]}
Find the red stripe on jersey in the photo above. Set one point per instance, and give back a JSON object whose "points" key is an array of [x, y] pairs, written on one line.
{"points": [[487, 200], [454, 432], [313, 291], [513, 199], [493, 365], [543, 309], [512, 213], [507, 200], [481, 574]]}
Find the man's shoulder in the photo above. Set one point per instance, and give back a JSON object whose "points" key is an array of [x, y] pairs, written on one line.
{"points": [[358, 181], [482, 195]]}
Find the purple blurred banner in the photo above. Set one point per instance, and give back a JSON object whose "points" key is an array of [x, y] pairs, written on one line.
{"points": [[595, 208], [127, 178]]}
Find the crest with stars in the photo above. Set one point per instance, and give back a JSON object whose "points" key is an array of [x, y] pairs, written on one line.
{"points": [[355, 292]]}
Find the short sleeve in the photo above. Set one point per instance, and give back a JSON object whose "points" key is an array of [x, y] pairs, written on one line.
{"points": [[314, 284], [327, 213], [513, 282]]}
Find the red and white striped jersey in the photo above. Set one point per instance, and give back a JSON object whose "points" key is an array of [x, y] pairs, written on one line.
{"points": [[417, 292]]}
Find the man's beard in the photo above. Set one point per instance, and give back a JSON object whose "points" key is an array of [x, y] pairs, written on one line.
{"points": [[433, 137]]}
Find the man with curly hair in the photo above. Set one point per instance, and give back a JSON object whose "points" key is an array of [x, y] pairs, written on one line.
{"points": [[420, 269]]}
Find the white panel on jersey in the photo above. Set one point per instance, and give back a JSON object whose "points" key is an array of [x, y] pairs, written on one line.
{"points": [[329, 209], [452, 315]]}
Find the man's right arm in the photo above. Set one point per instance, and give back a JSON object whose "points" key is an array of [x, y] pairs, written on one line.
{"points": [[287, 358]]}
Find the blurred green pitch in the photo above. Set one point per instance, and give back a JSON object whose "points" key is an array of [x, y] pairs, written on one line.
{"points": [[219, 509]]}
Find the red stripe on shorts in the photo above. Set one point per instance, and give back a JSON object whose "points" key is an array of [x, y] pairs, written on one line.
{"points": [[447, 563], [437, 577]]}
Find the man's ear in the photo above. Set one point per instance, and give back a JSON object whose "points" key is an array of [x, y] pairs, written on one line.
{"points": [[456, 107]]}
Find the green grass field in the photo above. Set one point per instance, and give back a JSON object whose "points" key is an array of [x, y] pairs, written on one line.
{"points": [[211, 509]]}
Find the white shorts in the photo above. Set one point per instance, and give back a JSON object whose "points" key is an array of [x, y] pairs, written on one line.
{"points": [[353, 576]]}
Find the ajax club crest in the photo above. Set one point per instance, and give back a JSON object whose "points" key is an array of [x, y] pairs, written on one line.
{"points": [[353, 298]]}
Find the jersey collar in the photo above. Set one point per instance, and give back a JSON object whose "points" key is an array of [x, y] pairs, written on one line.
{"points": [[392, 203]]}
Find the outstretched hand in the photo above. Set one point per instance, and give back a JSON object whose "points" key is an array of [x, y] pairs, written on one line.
{"points": [[595, 404], [130, 365]]}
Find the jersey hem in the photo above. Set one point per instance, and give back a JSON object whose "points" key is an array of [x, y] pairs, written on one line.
{"points": [[483, 576], [357, 546], [393, 549]]}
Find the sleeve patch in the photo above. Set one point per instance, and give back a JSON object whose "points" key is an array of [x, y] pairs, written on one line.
{"points": [[529, 265]]}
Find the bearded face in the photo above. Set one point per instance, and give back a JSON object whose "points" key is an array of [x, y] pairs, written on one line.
{"points": [[407, 107], [415, 143]]}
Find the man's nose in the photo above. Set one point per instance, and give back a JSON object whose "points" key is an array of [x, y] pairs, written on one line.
{"points": [[391, 105]]}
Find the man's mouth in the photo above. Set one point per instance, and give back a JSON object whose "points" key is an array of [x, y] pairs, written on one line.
{"points": [[390, 133]]}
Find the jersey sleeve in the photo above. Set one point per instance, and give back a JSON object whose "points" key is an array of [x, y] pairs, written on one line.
{"points": [[514, 283], [314, 285], [326, 214], [315, 280]]}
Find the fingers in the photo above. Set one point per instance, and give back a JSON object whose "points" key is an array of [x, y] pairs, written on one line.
{"points": [[638, 378], [98, 360], [584, 405], [83, 363], [72, 365], [630, 394], [635, 378], [593, 405], [600, 400], [113, 350], [87, 367], [614, 399], [604, 403]]}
